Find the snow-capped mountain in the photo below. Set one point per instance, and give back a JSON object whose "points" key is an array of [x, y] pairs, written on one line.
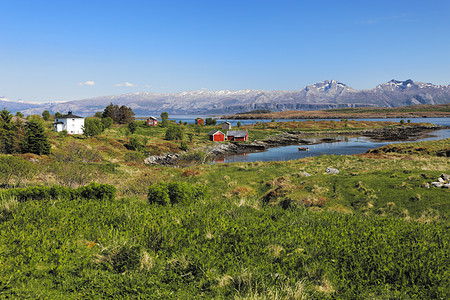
{"points": [[322, 95]]}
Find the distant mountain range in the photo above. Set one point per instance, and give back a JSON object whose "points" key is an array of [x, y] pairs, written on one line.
{"points": [[323, 95]]}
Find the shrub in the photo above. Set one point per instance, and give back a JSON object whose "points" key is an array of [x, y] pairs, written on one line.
{"points": [[97, 191], [176, 192], [174, 133], [92, 127], [94, 190], [135, 144], [15, 169], [107, 122], [132, 126], [159, 194], [184, 146]]}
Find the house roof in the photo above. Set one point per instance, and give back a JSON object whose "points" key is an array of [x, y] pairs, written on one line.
{"points": [[69, 116], [213, 132], [228, 123], [237, 133], [153, 118]]}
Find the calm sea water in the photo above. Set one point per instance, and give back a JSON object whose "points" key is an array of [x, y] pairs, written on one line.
{"points": [[346, 146]]}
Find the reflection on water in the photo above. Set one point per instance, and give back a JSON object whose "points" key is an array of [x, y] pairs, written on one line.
{"points": [[346, 146]]}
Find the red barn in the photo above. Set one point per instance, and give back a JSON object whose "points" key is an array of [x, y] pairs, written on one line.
{"points": [[199, 121], [240, 136], [216, 136], [152, 121]]}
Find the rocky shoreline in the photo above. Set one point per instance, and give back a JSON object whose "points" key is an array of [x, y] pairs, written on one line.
{"points": [[404, 133]]}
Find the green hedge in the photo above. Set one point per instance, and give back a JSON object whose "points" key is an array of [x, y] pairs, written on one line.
{"points": [[92, 191]]}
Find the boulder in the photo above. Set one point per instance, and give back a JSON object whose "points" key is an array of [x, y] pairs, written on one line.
{"points": [[305, 174], [447, 186], [437, 184], [332, 171], [446, 177], [441, 180]]}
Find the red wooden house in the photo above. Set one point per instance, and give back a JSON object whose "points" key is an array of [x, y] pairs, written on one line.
{"points": [[199, 121], [216, 135], [240, 136], [152, 121]]}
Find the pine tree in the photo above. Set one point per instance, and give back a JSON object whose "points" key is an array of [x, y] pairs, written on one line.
{"points": [[11, 133], [35, 140]]}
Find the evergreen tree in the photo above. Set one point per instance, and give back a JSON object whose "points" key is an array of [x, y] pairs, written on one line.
{"points": [[11, 133], [125, 115], [35, 140], [111, 111], [121, 115]]}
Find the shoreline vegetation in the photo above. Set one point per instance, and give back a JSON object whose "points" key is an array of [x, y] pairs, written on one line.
{"points": [[368, 226], [416, 111]]}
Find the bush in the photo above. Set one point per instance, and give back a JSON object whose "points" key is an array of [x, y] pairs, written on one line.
{"points": [[14, 169], [94, 190], [107, 122], [158, 193], [92, 127], [97, 191], [137, 144], [184, 146], [132, 126], [174, 133], [176, 192]]}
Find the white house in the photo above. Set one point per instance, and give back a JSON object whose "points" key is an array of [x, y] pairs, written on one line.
{"points": [[71, 123]]}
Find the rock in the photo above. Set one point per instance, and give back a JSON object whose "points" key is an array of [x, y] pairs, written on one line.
{"points": [[332, 171], [306, 174], [427, 186], [447, 186], [441, 180], [446, 177], [437, 184]]}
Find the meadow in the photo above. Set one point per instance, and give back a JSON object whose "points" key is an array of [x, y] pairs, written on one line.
{"points": [[274, 230]]}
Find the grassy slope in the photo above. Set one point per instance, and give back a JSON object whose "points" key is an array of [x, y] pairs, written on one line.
{"points": [[267, 231]]}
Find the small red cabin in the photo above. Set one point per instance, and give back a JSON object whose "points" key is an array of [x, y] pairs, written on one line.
{"points": [[152, 121], [240, 136], [199, 121], [216, 136]]}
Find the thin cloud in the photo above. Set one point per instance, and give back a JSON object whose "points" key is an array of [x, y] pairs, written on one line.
{"points": [[126, 84], [148, 85], [88, 83]]}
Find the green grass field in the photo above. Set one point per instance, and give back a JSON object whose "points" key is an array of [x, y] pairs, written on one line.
{"points": [[265, 230]]}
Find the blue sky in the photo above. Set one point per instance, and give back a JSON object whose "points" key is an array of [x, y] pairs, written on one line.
{"points": [[68, 50]]}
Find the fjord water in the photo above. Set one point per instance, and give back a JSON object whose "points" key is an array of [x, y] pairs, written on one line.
{"points": [[345, 145]]}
